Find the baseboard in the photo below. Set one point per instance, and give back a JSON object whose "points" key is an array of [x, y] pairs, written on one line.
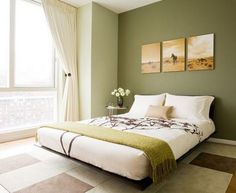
{"points": [[17, 135], [223, 141]]}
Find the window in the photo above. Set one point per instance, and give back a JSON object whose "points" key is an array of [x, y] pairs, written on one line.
{"points": [[32, 40], [26, 109], [28, 94]]}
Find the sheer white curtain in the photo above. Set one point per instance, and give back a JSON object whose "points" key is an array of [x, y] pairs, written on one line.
{"points": [[62, 22]]}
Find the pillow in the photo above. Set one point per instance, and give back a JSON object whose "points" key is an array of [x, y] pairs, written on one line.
{"points": [[142, 102], [189, 107], [162, 112]]}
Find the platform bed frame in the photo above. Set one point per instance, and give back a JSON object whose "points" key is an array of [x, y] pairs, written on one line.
{"points": [[139, 184], [144, 183]]}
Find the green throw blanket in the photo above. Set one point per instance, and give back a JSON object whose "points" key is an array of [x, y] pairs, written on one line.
{"points": [[158, 152]]}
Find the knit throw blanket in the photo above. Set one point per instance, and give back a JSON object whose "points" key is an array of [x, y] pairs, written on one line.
{"points": [[157, 151]]}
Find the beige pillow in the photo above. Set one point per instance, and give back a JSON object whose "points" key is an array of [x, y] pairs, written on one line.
{"points": [[162, 112]]}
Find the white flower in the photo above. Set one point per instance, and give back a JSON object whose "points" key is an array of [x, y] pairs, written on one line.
{"points": [[120, 92], [127, 92]]}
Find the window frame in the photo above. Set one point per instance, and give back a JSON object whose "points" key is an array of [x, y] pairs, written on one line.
{"points": [[11, 86]]}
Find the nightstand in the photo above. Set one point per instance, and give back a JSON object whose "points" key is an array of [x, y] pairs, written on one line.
{"points": [[112, 108]]}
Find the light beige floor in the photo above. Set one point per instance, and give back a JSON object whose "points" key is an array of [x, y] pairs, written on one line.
{"points": [[186, 179]]}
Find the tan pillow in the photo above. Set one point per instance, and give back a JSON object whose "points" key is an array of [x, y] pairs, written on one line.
{"points": [[162, 112]]}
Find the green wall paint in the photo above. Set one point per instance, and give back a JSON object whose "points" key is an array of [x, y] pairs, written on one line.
{"points": [[171, 19], [97, 58]]}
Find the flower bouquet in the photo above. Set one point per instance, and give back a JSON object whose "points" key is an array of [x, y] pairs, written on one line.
{"points": [[119, 94]]}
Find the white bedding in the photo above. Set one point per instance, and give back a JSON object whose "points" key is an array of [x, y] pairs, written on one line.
{"points": [[123, 160]]}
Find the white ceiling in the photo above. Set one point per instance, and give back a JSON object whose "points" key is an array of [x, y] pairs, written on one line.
{"points": [[117, 6]]}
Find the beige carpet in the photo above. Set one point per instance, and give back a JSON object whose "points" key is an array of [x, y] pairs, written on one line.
{"points": [[15, 162], [220, 163], [26, 168], [62, 183], [216, 162]]}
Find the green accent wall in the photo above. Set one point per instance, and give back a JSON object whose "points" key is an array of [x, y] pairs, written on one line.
{"points": [[172, 19]]}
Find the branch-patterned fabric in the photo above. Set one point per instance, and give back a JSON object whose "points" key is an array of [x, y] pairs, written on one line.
{"points": [[125, 124]]}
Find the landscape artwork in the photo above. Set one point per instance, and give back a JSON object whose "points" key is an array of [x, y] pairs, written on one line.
{"points": [[201, 52], [173, 57], [151, 58]]}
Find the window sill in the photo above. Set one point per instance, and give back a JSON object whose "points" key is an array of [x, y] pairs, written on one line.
{"points": [[16, 134]]}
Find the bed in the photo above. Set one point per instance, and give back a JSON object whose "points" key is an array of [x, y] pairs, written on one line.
{"points": [[182, 132]]}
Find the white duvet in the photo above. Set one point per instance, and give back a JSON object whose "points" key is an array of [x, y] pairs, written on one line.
{"points": [[123, 160]]}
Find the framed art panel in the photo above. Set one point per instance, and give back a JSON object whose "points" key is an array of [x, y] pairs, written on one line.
{"points": [[151, 58], [201, 52], [173, 55]]}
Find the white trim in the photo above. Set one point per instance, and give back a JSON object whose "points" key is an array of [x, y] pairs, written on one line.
{"points": [[223, 141], [27, 89], [16, 135]]}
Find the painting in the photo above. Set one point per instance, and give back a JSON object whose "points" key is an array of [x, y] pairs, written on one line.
{"points": [[173, 56], [151, 58], [201, 52]]}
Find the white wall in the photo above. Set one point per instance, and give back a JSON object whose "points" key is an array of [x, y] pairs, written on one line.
{"points": [[84, 59]]}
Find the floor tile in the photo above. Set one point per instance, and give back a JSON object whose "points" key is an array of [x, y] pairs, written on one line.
{"points": [[62, 163], [187, 178], [214, 148], [194, 179], [42, 154], [17, 147], [15, 162], [27, 176], [115, 186], [90, 175], [62, 183], [216, 162], [219, 149]]}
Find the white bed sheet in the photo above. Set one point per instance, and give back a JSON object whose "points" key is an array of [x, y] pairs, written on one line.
{"points": [[123, 160]]}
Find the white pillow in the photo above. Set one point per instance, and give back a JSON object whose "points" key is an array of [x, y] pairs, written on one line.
{"points": [[189, 107], [142, 102]]}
